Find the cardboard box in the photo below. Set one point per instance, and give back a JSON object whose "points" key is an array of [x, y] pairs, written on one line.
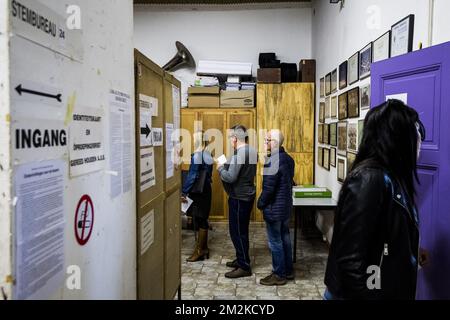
{"points": [[204, 97], [269, 75], [237, 99]]}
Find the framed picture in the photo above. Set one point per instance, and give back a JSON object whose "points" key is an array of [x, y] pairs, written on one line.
{"points": [[352, 140], [365, 61], [334, 107], [320, 157], [353, 103], [341, 170], [333, 134], [343, 69], [328, 107], [334, 80], [326, 134], [342, 112], [322, 112], [320, 133], [322, 87], [365, 97], [342, 138], [402, 36], [353, 69], [326, 159], [333, 157], [350, 160], [360, 131], [382, 47], [328, 84]]}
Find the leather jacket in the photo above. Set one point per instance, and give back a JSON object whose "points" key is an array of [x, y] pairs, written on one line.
{"points": [[376, 225]]}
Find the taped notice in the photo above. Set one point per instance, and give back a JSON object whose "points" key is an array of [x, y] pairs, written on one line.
{"points": [[147, 231], [147, 172], [86, 142], [149, 103]]}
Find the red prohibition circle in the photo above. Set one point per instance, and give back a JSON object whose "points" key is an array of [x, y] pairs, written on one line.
{"points": [[87, 202]]}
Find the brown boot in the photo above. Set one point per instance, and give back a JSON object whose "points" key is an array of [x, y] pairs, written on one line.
{"points": [[200, 251]]}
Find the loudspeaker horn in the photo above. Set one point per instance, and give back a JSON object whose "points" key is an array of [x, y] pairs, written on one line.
{"points": [[183, 58]]}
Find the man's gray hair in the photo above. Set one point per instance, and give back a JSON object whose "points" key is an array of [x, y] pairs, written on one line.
{"points": [[240, 132], [277, 135]]}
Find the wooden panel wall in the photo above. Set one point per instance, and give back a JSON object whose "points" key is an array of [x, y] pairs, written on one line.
{"points": [[290, 108]]}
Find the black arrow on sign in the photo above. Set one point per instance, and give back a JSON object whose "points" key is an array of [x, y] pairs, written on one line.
{"points": [[146, 131], [19, 89]]}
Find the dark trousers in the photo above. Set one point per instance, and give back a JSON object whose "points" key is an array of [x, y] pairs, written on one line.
{"points": [[239, 219]]}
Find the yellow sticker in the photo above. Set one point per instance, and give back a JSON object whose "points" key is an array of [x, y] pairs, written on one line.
{"points": [[70, 106]]}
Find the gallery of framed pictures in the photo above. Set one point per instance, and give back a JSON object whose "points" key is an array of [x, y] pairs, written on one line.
{"points": [[345, 94]]}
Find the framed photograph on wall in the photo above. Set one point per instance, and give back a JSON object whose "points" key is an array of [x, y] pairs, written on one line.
{"points": [[365, 61], [328, 84], [353, 103], [353, 69], [333, 157], [322, 112], [382, 47], [322, 87], [343, 112], [320, 133], [326, 134], [343, 69], [328, 107], [334, 80], [402, 36], [352, 139], [341, 170], [360, 131], [342, 138], [350, 160], [334, 107], [320, 157], [326, 159], [333, 134], [365, 97]]}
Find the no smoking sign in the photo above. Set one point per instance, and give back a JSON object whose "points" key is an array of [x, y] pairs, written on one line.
{"points": [[84, 220]]}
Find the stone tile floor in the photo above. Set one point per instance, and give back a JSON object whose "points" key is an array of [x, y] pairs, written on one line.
{"points": [[205, 280]]}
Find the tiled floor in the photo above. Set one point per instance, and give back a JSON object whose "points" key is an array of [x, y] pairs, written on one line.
{"points": [[205, 280]]}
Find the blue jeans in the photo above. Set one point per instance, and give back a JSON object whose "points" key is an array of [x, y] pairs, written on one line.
{"points": [[239, 219], [281, 248]]}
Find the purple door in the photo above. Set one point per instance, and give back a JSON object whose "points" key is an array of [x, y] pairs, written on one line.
{"points": [[422, 78]]}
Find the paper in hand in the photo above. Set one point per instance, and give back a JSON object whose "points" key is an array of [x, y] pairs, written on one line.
{"points": [[222, 160], [186, 205]]}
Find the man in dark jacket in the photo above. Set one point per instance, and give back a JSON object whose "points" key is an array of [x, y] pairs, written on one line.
{"points": [[276, 203]]}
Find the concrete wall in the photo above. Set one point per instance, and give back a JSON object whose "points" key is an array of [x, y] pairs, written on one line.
{"points": [[108, 261], [232, 35], [5, 173]]}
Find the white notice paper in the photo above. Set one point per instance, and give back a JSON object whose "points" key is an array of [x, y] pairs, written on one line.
{"points": [[147, 231], [87, 153], [145, 125], [176, 105], [147, 174], [401, 96], [169, 151], [120, 142], [39, 214], [150, 103], [158, 139]]}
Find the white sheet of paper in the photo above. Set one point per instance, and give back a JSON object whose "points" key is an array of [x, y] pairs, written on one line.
{"points": [[185, 206], [158, 139], [147, 174], [147, 231], [222, 160], [39, 215], [169, 151]]}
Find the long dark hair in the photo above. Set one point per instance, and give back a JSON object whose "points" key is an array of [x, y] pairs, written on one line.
{"points": [[390, 140]]}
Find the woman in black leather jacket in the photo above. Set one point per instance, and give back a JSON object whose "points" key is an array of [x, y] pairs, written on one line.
{"points": [[375, 248]]}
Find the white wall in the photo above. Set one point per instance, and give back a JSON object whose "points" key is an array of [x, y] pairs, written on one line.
{"points": [[441, 23], [232, 35], [5, 174], [338, 34], [108, 261]]}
